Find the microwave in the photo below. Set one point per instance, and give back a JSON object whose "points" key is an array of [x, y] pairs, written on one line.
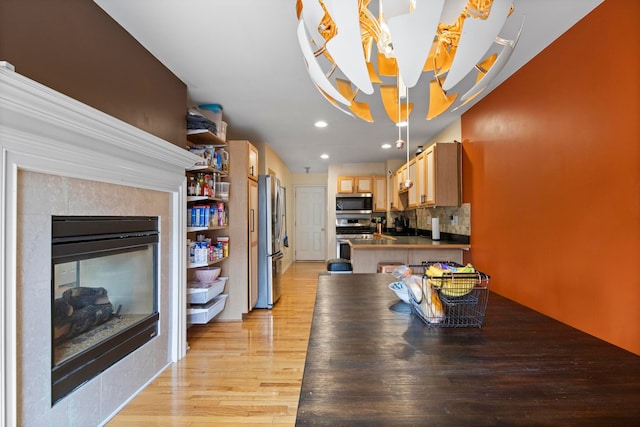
{"points": [[361, 203]]}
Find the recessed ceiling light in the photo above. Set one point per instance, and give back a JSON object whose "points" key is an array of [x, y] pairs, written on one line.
{"points": [[324, 156], [402, 124], [320, 124], [386, 146]]}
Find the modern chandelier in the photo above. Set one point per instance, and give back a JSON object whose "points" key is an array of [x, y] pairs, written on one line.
{"points": [[442, 40]]}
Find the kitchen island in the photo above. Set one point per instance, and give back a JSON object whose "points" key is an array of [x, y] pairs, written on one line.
{"points": [[367, 253], [371, 362]]}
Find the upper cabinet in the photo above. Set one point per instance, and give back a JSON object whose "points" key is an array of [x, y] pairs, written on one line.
{"points": [[354, 184], [397, 179], [363, 184], [442, 175], [413, 190], [379, 193], [252, 172], [346, 185], [436, 178]]}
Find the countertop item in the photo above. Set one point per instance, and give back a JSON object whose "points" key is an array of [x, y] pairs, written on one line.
{"points": [[371, 362]]}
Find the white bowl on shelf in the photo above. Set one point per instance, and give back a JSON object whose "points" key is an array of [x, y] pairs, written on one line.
{"points": [[208, 274]]}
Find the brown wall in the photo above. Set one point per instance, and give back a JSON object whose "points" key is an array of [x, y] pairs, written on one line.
{"points": [[75, 48], [552, 172]]}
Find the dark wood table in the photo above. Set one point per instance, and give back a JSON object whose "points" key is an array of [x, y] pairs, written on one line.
{"points": [[371, 362]]}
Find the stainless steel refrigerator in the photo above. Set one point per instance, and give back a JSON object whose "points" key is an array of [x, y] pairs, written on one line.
{"points": [[271, 220]]}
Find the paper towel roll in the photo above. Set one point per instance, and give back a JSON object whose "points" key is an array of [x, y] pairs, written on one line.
{"points": [[435, 228]]}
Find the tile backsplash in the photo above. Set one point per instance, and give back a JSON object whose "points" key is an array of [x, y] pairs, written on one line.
{"points": [[421, 218]]}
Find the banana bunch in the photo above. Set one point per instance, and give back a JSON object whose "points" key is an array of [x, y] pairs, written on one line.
{"points": [[431, 305], [437, 270], [443, 277], [456, 287], [466, 269]]}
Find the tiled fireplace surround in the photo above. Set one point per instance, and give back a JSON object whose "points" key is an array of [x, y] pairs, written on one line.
{"points": [[61, 157]]}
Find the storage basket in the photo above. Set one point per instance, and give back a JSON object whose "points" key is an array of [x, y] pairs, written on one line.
{"points": [[462, 297]]}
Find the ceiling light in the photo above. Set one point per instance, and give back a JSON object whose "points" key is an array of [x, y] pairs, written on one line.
{"points": [[402, 124], [399, 144], [340, 35], [320, 124], [386, 146], [324, 156]]}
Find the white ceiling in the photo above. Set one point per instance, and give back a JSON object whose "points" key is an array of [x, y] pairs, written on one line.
{"points": [[244, 55]]}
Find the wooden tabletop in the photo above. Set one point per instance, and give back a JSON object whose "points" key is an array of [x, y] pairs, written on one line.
{"points": [[370, 362]]}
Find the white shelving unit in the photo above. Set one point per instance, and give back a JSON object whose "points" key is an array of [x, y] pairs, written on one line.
{"points": [[205, 300]]}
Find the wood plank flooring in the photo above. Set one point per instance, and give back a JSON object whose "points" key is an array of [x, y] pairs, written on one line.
{"points": [[237, 373]]}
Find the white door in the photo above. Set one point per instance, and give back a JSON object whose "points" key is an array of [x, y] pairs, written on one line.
{"points": [[310, 232]]}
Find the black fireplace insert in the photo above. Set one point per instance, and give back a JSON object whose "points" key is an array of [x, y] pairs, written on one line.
{"points": [[104, 294]]}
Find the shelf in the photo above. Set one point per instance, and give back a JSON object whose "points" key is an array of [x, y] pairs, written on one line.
{"points": [[207, 169], [206, 264], [199, 294], [200, 315], [205, 137], [204, 199], [193, 229]]}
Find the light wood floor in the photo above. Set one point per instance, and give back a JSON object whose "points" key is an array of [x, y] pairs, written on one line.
{"points": [[237, 373]]}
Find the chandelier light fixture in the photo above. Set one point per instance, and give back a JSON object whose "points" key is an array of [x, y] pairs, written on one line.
{"points": [[442, 40]]}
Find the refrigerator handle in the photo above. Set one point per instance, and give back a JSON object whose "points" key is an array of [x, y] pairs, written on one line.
{"points": [[253, 220]]}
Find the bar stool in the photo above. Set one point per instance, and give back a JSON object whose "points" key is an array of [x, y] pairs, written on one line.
{"points": [[339, 266]]}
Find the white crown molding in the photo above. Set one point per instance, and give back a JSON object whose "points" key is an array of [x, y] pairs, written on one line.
{"points": [[36, 120]]}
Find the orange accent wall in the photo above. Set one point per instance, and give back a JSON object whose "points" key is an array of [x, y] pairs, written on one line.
{"points": [[551, 167]]}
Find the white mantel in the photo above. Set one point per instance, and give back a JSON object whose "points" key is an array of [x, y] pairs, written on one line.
{"points": [[45, 132]]}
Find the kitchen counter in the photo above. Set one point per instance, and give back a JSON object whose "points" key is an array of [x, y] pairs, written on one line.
{"points": [[416, 242], [371, 362], [367, 254]]}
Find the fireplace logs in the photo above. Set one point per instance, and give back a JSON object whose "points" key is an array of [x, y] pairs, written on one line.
{"points": [[79, 310]]}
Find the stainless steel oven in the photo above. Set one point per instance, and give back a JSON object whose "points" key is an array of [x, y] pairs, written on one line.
{"points": [[343, 250], [351, 226]]}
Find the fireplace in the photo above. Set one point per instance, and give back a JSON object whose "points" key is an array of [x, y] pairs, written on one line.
{"points": [[103, 295], [62, 158]]}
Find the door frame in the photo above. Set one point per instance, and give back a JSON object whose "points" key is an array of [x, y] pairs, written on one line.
{"points": [[295, 206]]}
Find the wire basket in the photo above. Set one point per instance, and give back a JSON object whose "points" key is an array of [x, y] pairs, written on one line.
{"points": [[451, 300]]}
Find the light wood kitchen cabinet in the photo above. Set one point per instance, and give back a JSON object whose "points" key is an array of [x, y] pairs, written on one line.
{"points": [[436, 178], [345, 185], [252, 170], [363, 184], [442, 174], [402, 177], [240, 260], [421, 177], [397, 204], [412, 174], [354, 184], [379, 193]]}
